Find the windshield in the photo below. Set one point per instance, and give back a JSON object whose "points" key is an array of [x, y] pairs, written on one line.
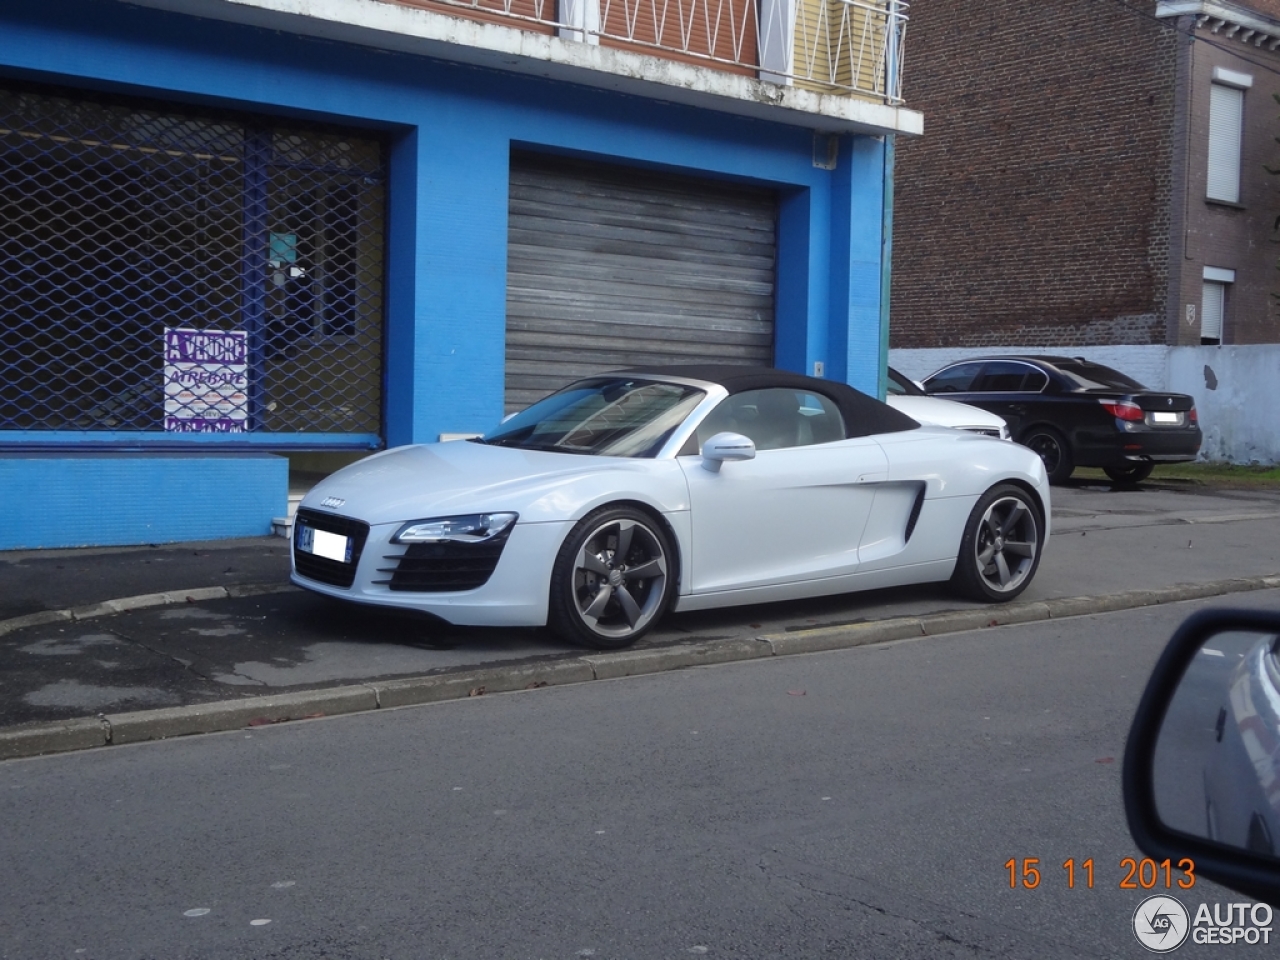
{"points": [[606, 417], [896, 385]]}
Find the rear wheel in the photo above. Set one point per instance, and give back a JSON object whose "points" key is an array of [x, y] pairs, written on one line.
{"points": [[1130, 472], [1051, 447], [612, 578], [1000, 550]]}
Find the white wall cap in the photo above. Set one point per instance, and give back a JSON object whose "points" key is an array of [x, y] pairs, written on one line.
{"points": [[1219, 274], [1232, 78], [1221, 10]]}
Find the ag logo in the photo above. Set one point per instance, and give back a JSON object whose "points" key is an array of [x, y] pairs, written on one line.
{"points": [[1161, 924]]}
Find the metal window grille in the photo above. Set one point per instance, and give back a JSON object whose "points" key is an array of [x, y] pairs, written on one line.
{"points": [[177, 274]]}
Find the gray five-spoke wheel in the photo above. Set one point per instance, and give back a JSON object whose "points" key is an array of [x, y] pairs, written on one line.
{"points": [[612, 578], [1000, 549], [1007, 544]]}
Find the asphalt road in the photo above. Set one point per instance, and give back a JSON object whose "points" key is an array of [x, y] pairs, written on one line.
{"points": [[859, 803]]}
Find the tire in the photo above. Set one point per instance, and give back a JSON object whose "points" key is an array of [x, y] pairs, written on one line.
{"points": [[1130, 472], [1001, 547], [1052, 449], [613, 578]]}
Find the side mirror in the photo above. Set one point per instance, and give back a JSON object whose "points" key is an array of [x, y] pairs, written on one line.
{"points": [[1202, 764], [726, 446]]}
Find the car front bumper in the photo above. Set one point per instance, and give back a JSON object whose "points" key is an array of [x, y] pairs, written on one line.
{"points": [[514, 595]]}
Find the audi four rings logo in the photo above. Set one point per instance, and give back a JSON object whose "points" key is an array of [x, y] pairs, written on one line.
{"points": [[332, 502]]}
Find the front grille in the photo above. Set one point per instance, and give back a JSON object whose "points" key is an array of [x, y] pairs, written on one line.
{"points": [[443, 567], [333, 572]]}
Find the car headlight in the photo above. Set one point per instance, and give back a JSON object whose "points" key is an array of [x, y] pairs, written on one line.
{"points": [[472, 528]]}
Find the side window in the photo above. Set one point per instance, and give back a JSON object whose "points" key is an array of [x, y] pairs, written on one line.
{"points": [[820, 420], [956, 379], [1003, 376], [775, 419]]}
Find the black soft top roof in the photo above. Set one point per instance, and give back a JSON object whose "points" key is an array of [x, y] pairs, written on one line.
{"points": [[863, 415]]}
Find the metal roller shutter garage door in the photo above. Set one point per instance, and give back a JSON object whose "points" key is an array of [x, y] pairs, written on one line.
{"points": [[612, 267]]}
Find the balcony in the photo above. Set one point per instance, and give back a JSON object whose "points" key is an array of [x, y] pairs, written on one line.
{"points": [[832, 66], [849, 47]]}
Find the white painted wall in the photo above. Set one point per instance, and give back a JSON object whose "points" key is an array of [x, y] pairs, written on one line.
{"points": [[1237, 391], [1237, 388]]}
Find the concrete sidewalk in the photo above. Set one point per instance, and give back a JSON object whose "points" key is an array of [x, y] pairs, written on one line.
{"points": [[112, 646]]}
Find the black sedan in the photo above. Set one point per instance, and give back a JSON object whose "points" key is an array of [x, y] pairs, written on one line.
{"points": [[1076, 413]]}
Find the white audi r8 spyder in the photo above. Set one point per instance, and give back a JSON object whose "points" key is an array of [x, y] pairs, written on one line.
{"points": [[632, 493]]}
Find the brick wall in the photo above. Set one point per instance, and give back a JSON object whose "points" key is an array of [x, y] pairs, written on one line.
{"points": [[1239, 236], [1270, 8], [1036, 207]]}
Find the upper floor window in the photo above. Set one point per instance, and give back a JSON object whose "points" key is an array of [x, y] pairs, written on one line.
{"points": [[1226, 128]]}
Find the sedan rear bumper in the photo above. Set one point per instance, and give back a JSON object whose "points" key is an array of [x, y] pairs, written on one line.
{"points": [[1137, 444]]}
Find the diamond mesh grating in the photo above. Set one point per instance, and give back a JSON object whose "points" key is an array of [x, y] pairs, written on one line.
{"points": [[170, 273]]}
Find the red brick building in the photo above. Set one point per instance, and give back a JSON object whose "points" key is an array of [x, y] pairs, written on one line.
{"points": [[1092, 174]]}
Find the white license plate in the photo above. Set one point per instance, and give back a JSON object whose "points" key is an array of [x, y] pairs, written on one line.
{"points": [[1160, 416], [321, 543]]}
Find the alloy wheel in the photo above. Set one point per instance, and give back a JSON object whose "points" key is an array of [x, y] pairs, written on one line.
{"points": [[1007, 544], [619, 578]]}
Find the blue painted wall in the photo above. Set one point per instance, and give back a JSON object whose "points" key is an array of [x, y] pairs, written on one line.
{"points": [[451, 130], [105, 499]]}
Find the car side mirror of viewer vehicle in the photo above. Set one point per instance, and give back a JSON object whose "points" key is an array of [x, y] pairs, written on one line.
{"points": [[1202, 764], [726, 446]]}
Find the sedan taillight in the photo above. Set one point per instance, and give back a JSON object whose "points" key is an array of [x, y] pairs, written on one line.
{"points": [[1191, 415], [1123, 409]]}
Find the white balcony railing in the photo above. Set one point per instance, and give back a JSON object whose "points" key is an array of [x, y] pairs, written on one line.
{"points": [[833, 46]]}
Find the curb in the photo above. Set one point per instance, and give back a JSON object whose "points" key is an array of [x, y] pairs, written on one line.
{"points": [[141, 602], [221, 716]]}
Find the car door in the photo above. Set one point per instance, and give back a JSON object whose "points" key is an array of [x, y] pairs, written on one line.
{"points": [[795, 512], [1013, 390]]}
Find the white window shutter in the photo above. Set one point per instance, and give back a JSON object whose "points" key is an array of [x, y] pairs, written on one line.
{"points": [[1213, 305], [1226, 118]]}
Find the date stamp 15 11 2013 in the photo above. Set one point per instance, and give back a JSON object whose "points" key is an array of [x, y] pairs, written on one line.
{"points": [[1146, 874]]}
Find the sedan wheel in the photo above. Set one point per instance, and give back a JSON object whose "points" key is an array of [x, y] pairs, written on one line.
{"points": [[1050, 446], [612, 579], [1130, 472], [1001, 546]]}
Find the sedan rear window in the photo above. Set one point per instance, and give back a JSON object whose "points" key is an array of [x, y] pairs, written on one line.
{"points": [[1094, 376], [607, 417]]}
